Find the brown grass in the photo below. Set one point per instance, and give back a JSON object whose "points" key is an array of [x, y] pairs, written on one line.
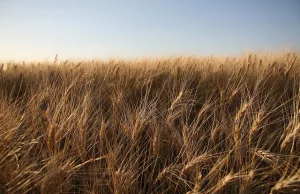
{"points": [[176, 125]]}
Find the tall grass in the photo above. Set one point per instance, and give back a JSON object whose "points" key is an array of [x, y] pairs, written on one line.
{"points": [[176, 125]]}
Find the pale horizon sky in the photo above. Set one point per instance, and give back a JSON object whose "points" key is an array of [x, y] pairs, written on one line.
{"points": [[86, 29]]}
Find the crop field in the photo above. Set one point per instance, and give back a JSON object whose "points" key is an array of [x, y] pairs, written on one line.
{"points": [[167, 125]]}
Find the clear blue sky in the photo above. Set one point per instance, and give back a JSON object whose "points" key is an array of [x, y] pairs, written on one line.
{"points": [[37, 29]]}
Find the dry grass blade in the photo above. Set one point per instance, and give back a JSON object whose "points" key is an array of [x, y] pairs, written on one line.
{"points": [[290, 184]]}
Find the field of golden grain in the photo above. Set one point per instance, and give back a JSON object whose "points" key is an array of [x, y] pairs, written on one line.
{"points": [[175, 125]]}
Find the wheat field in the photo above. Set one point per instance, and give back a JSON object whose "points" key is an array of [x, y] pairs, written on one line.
{"points": [[170, 125]]}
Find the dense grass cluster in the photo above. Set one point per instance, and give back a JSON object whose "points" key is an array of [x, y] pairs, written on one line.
{"points": [[180, 125]]}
